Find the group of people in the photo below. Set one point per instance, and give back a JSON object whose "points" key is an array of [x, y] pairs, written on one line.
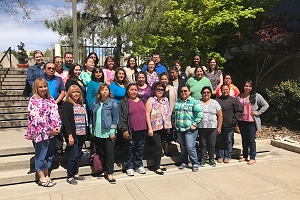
{"points": [[120, 107]]}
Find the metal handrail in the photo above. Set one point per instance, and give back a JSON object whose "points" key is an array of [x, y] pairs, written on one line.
{"points": [[8, 50]]}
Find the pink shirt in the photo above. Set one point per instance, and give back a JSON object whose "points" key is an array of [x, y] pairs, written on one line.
{"points": [[247, 108], [160, 115], [64, 76], [110, 75]]}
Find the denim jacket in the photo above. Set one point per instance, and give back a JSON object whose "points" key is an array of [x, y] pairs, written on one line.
{"points": [[109, 114]]}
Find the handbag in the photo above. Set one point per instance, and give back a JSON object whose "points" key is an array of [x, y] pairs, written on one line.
{"points": [[97, 163], [86, 157]]}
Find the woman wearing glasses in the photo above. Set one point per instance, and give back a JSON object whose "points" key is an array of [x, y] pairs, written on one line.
{"points": [[158, 121], [187, 115], [209, 126]]}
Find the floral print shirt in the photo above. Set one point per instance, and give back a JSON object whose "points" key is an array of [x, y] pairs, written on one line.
{"points": [[85, 77], [160, 114], [43, 117], [152, 78]]}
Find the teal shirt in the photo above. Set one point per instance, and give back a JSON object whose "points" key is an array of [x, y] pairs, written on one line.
{"points": [[98, 131], [86, 77], [196, 86]]}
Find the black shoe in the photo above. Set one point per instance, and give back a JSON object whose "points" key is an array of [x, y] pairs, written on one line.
{"points": [[202, 163], [72, 181], [159, 173], [168, 154], [212, 162], [112, 181], [163, 169]]}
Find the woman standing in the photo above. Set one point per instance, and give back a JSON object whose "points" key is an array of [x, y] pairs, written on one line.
{"points": [[187, 115], [95, 58], [233, 90], [197, 82], [196, 62], [133, 127], [92, 88], [232, 111], [86, 74], [158, 121], [74, 73], [43, 124], [63, 74], [109, 70], [250, 122], [131, 70], [214, 75], [151, 74], [209, 126], [117, 87], [171, 94], [105, 117], [175, 81], [74, 122], [144, 89], [181, 75], [37, 70]]}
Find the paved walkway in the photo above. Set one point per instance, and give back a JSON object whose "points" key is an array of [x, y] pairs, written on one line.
{"points": [[274, 176]]}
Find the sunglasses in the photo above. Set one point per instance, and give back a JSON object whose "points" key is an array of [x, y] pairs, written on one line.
{"points": [[50, 68], [96, 72], [205, 92], [184, 91], [159, 90]]}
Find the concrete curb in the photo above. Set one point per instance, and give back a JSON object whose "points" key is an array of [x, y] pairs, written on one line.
{"points": [[286, 145]]}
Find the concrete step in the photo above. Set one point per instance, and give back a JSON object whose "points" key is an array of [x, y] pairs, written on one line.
{"points": [[13, 83], [14, 123], [13, 110], [14, 79], [12, 92], [14, 98], [13, 116], [16, 75], [17, 71], [13, 103], [13, 87]]}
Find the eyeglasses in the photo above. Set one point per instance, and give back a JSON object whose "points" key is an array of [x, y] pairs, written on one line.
{"points": [[205, 92], [184, 91], [159, 90], [58, 62], [50, 68]]}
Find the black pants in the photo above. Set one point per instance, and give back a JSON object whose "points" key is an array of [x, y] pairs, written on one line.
{"points": [[207, 141], [59, 138], [75, 155], [158, 138], [105, 149]]}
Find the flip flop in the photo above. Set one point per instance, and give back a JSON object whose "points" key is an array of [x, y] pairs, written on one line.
{"points": [[46, 184]]}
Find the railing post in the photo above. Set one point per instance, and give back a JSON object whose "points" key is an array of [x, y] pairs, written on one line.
{"points": [[10, 57]]}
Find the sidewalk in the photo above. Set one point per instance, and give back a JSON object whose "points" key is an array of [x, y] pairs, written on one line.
{"points": [[274, 176]]}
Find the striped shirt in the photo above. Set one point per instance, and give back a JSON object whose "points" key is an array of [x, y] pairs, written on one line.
{"points": [[79, 118], [187, 113]]}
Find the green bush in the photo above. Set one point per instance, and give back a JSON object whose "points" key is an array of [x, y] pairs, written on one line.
{"points": [[284, 101]]}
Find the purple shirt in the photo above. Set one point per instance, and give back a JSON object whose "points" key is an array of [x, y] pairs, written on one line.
{"points": [[144, 94], [137, 113]]}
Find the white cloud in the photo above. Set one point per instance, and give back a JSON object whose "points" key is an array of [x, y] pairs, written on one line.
{"points": [[31, 32]]}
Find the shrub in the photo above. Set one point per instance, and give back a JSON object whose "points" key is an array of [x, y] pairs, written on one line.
{"points": [[284, 100]]}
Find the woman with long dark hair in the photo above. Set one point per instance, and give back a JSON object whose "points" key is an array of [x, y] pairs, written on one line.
{"points": [[214, 75], [175, 81], [86, 74], [74, 73], [131, 70], [196, 62], [92, 88], [109, 70], [253, 106], [144, 89], [94, 56]]}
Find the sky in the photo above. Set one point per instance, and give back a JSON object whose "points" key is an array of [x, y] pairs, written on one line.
{"points": [[32, 32]]}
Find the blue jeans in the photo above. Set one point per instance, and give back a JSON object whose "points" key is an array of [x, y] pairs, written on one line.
{"points": [[187, 140], [225, 143], [133, 150], [75, 155], [43, 154], [248, 131]]}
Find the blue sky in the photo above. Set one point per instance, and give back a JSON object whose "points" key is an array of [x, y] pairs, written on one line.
{"points": [[31, 32]]}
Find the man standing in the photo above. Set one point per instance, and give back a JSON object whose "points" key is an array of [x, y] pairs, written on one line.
{"points": [[57, 91], [68, 58], [159, 68]]}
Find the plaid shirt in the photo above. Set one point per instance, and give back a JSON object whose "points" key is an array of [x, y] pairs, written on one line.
{"points": [[187, 113]]}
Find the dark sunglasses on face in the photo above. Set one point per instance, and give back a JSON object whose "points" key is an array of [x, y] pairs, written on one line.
{"points": [[50, 68], [96, 72], [205, 92], [184, 91], [159, 89]]}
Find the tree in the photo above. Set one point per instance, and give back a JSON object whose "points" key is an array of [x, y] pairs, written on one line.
{"points": [[196, 26], [11, 7], [48, 53]]}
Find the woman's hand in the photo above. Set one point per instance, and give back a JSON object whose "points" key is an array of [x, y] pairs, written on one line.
{"points": [[254, 112], [112, 137], [55, 131], [126, 135], [219, 130], [71, 140], [150, 133], [193, 127]]}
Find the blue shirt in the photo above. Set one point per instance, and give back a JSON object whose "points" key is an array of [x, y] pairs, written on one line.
{"points": [[91, 93], [117, 91], [55, 86], [159, 68], [34, 72]]}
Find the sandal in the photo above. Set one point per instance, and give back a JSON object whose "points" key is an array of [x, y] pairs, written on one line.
{"points": [[80, 178], [46, 184], [112, 181], [72, 181], [49, 179]]}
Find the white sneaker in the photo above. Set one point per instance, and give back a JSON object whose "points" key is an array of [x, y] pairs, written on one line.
{"points": [[141, 170], [130, 172]]}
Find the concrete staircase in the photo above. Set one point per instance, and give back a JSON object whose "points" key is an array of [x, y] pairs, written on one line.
{"points": [[13, 107], [17, 158]]}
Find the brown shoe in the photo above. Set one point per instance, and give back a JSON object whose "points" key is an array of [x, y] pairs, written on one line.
{"points": [[226, 161], [220, 160], [251, 162], [242, 160]]}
